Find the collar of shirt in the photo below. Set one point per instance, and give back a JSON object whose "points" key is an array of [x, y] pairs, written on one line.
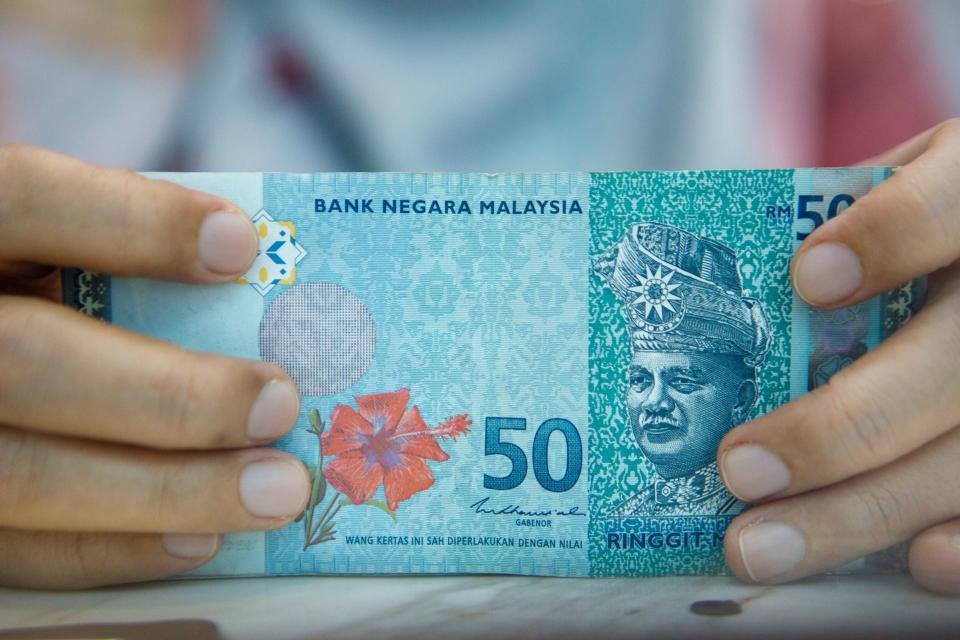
{"points": [[701, 484]]}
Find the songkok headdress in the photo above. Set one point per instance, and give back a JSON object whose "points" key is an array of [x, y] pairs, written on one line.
{"points": [[682, 293]]}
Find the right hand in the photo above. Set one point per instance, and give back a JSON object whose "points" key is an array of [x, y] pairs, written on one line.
{"points": [[123, 458]]}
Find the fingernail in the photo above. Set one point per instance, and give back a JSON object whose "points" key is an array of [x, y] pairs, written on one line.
{"points": [[273, 488], [751, 472], [274, 411], [227, 243], [190, 546], [827, 273], [770, 549]]}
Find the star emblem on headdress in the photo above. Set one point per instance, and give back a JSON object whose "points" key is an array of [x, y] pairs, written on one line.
{"points": [[656, 293]]}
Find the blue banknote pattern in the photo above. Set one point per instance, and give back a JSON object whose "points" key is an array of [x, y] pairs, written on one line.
{"points": [[472, 313], [515, 373]]}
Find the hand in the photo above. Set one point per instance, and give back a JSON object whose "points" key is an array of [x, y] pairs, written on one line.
{"points": [[123, 458], [873, 457]]}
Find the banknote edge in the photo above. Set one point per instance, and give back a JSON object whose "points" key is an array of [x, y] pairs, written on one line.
{"points": [[87, 292]]}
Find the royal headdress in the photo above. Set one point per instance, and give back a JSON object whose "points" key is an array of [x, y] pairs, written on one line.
{"points": [[682, 293]]}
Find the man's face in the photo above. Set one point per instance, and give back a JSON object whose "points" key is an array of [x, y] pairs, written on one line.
{"points": [[680, 406]]}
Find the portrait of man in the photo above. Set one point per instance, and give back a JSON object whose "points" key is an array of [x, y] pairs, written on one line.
{"points": [[696, 342]]}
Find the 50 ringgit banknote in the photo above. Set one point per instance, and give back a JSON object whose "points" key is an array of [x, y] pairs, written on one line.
{"points": [[515, 373]]}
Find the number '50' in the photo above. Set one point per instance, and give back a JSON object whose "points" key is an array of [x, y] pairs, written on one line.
{"points": [[804, 212], [494, 445]]}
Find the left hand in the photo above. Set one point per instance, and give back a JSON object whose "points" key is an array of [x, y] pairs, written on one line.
{"points": [[873, 457]]}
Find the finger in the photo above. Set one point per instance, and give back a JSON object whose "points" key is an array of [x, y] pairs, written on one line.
{"points": [[44, 560], [65, 373], [934, 559], [57, 210], [891, 401], [59, 484], [20, 280], [904, 152], [24, 271], [906, 227], [810, 533]]}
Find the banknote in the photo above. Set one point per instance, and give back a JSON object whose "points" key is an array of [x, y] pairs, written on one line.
{"points": [[515, 373]]}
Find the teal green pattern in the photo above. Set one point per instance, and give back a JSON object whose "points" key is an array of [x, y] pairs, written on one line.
{"points": [[723, 205]]}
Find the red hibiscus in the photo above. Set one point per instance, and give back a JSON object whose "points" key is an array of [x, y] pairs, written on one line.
{"points": [[384, 442]]}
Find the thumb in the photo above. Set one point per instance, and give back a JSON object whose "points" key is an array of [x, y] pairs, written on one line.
{"points": [[906, 227]]}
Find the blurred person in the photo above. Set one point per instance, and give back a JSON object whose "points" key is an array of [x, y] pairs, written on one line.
{"points": [[298, 86]]}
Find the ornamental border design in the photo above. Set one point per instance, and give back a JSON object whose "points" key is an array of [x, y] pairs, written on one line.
{"points": [[87, 292]]}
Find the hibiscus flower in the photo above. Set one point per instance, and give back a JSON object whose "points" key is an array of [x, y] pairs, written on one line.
{"points": [[384, 442]]}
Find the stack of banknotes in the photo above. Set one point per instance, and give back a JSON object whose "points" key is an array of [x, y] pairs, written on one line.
{"points": [[515, 373]]}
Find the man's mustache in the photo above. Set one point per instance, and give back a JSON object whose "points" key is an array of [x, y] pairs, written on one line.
{"points": [[658, 421]]}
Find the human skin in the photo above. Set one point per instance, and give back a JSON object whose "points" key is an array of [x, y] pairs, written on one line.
{"points": [[861, 463], [681, 404], [869, 459], [123, 458]]}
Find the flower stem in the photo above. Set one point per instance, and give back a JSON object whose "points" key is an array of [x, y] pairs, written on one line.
{"points": [[308, 525], [318, 486], [326, 517]]}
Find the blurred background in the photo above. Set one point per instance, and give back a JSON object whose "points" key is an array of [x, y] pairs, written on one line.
{"points": [[495, 85]]}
